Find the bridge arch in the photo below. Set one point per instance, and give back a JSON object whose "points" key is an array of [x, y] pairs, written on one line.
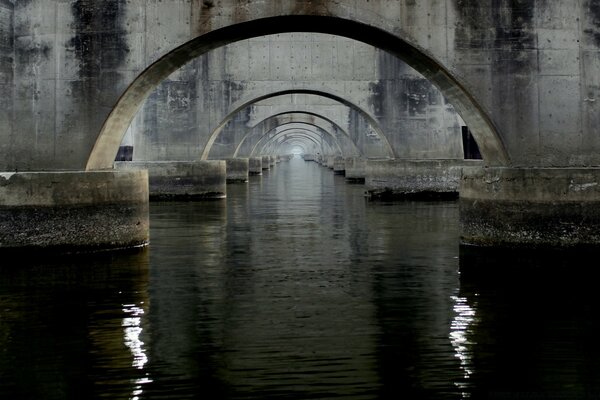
{"points": [[242, 104], [294, 133], [117, 122], [267, 125]]}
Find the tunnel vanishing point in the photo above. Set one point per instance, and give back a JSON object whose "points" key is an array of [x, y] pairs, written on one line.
{"points": [[197, 87]]}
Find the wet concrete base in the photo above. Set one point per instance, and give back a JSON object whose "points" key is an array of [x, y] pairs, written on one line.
{"points": [[73, 212], [355, 169], [530, 208], [237, 170], [414, 179], [183, 180], [266, 162], [255, 166]]}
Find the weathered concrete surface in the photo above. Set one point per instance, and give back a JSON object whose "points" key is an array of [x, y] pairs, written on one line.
{"points": [[339, 165], [415, 178], [183, 180], [272, 161], [356, 169], [237, 170], [266, 162], [255, 166], [68, 212], [520, 207]]}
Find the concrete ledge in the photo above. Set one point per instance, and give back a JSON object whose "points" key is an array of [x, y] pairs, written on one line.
{"points": [[426, 179], [355, 169], [537, 207], [255, 166], [183, 180], [73, 212], [237, 170]]}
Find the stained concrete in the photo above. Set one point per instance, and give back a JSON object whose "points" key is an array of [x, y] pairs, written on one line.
{"points": [[181, 180], [66, 212], [237, 170], [255, 166], [266, 162], [521, 207], [339, 165], [415, 178], [355, 169]]}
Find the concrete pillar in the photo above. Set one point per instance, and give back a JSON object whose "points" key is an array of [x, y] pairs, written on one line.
{"points": [[183, 180], [355, 169], [74, 211], [339, 165], [415, 178], [272, 161], [329, 161], [308, 157], [266, 162], [530, 207], [255, 166], [237, 170]]}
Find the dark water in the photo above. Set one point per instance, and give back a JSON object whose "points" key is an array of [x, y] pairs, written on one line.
{"points": [[296, 287]]}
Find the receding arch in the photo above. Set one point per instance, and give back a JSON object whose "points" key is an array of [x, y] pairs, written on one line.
{"points": [[294, 133], [114, 128], [242, 104], [323, 133], [291, 117]]}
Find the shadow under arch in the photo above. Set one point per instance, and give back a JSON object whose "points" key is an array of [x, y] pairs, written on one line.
{"points": [[293, 134], [333, 143], [288, 117], [114, 128], [323, 93]]}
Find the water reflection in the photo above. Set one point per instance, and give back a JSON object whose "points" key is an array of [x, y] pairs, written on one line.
{"points": [[460, 327]]}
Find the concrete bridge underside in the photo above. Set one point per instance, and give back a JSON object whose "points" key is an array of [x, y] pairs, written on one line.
{"points": [[524, 78]]}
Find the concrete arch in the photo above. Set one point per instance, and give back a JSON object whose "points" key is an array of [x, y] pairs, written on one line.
{"points": [[307, 133], [297, 116], [266, 139], [273, 146], [333, 142], [294, 134], [242, 104], [115, 126]]}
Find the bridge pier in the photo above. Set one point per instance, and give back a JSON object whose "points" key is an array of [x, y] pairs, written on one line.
{"points": [[339, 165], [183, 180], [355, 169], [266, 162], [255, 166], [73, 211], [237, 170], [414, 178], [530, 207]]}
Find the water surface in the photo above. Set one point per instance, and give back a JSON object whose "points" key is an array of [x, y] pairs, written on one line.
{"points": [[297, 287]]}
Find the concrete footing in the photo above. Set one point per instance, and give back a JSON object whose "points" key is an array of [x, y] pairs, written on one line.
{"points": [[73, 212], [255, 166], [355, 169], [534, 207], [272, 161], [414, 178], [266, 162], [183, 180], [237, 170], [329, 161], [339, 165]]}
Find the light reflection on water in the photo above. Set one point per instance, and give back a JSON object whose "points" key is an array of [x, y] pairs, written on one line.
{"points": [[294, 287]]}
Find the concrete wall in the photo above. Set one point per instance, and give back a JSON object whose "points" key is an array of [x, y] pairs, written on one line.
{"points": [[6, 75], [532, 67], [417, 121]]}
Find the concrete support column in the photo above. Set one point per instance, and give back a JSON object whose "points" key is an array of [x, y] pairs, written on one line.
{"points": [[183, 180], [339, 165], [308, 157], [355, 169], [272, 161], [329, 161], [73, 212], [237, 170], [255, 166], [530, 207], [266, 162], [415, 178]]}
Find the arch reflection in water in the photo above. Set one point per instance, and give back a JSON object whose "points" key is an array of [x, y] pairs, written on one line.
{"points": [[132, 324]]}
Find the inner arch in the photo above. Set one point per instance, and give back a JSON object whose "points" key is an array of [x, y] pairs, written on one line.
{"points": [[246, 103], [115, 126]]}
